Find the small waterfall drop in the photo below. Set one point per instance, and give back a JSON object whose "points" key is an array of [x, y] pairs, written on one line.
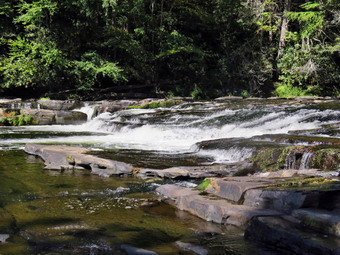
{"points": [[89, 110], [305, 161]]}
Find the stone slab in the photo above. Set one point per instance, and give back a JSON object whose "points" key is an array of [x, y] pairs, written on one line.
{"points": [[324, 221], [288, 237], [210, 209], [66, 157]]}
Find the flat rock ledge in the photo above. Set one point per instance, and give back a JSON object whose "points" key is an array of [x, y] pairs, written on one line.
{"points": [[294, 221], [210, 208], [65, 157]]}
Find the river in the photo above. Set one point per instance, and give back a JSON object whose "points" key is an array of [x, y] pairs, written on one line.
{"points": [[73, 212]]}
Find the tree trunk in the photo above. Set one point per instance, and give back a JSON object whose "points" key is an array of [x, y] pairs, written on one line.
{"points": [[284, 27]]}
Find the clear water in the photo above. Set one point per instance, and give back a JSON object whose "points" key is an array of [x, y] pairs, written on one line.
{"points": [[72, 212]]}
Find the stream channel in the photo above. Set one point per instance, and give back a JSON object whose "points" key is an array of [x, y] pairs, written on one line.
{"points": [[73, 212]]}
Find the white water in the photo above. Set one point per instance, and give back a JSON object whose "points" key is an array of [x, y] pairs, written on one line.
{"points": [[178, 128]]}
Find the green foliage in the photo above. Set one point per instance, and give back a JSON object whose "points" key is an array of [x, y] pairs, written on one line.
{"points": [[289, 91], [156, 104], [245, 94], [311, 21], [18, 120], [31, 64], [203, 185], [92, 68], [186, 48]]}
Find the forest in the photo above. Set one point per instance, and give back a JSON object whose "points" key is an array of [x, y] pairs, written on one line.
{"points": [[99, 49]]}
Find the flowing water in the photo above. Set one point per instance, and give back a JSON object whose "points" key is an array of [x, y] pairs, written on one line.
{"points": [[72, 212]]}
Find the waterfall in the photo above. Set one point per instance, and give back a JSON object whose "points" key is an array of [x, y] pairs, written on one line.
{"points": [[178, 128], [234, 154], [290, 161], [306, 157], [88, 109]]}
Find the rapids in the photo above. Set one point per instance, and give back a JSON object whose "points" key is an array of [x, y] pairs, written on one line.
{"points": [[177, 129]]}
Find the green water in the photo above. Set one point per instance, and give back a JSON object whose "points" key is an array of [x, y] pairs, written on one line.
{"points": [[73, 212]]}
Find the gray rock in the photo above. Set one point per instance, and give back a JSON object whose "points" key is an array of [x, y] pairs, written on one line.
{"points": [[70, 117], [193, 172], [234, 188], [218, 211], [59, 105], [44, 117], [9, 103], [288, 236], [130, 250], [324, 221], [281, 200], [114, 106], [66, 157], [192, 248], [228, 98], [50, 117]]}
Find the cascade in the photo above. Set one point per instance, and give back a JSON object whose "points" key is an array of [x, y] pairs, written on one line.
{"points": [[89, 109], [305, 160]]}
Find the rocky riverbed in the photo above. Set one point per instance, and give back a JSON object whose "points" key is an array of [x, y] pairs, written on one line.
{"points": [[267, 167]]}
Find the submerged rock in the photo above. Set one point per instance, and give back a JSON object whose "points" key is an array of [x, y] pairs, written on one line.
{"points": [[65, 157], [192, 248], [287, 235], [130, 250]]}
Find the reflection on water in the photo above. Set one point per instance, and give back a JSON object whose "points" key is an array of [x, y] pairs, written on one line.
{"points": [[51, 212]]}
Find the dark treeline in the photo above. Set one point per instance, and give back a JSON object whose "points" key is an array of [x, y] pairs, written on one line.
{"points": [[90, 49]]}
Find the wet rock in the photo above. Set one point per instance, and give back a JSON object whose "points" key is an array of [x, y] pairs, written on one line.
{"points": [[218, 211], [287, 235], [192, 248], [43, 117], [294, 173], [59, 105], [130, 250], [8, 103], [65, 157], [50, 117], [194, 172], [234, 188], [228, 98], [114, 106], [321, 220], [65, 117], [281, 200]]}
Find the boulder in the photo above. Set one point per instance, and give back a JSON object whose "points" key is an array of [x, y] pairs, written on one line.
{"points": [[327, 222], [281, 200], [285, 234], [233, 188], [194, 171], [114, 106], [228, 98], [218, 211], [65, 157], [43, 117], [6, 103], [59, 105], [192, 248], [50, 117], [130, 250], [70, 117]]}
